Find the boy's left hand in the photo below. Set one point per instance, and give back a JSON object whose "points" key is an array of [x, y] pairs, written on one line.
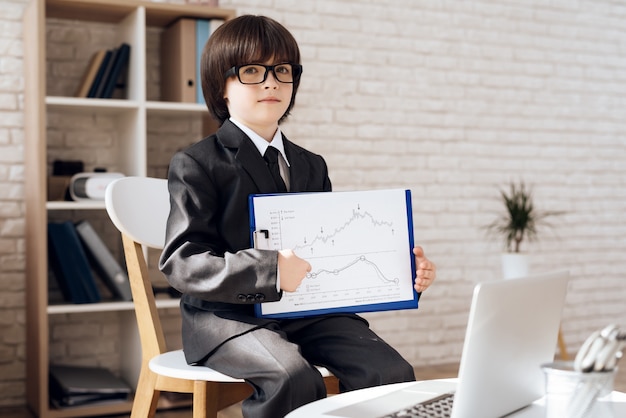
{"points": [[426, 270]]}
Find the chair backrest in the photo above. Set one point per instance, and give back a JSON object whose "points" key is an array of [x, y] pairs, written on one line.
{"points": [[138, 207]]}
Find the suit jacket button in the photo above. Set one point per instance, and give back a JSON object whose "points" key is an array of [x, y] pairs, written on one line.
{"points": [[250, 297], [241, 297], [259, 297]]}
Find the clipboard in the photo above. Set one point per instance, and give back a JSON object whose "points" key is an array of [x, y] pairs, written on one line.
{"points": [[359, 245]]}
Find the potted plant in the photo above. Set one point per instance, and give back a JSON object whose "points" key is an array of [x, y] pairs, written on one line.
{"points": [[519, 223]]}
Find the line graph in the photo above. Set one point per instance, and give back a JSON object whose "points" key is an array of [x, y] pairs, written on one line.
{"points": [[360, 259], [325, 238], [358, 245]]}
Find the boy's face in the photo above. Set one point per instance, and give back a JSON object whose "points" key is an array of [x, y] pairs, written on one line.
{"points": [[258, 106]]}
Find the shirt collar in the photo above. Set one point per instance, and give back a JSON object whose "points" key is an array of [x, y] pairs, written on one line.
{"points": [[261, 143]]}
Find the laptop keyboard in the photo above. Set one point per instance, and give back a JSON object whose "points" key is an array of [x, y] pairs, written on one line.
{"points": [[439, 407]]}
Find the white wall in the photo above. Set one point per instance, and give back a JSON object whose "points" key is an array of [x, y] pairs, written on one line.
{"points": [[12, 312], [449, 99], [455, 99]]}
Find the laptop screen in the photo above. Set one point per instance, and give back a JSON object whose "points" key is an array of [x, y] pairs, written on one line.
{"points": [[512, 329]]}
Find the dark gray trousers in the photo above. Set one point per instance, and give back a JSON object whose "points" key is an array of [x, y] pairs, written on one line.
{"points": [[277, 361]]}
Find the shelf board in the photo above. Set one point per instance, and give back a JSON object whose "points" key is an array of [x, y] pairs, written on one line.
{"points": [[172, 107], [81, 104], [118, 407], [96, 10], [81, 205], [113, 106], [114, 11], [164, 14], [107, 306]]}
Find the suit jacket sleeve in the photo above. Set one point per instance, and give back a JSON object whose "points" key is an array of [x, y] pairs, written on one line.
{"points": [[195, 259], [207, 252]]}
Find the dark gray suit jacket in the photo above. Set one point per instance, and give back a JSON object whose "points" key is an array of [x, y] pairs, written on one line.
{"points": [[208, 254]]}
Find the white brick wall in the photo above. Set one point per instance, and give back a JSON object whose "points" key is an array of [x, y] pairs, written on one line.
{"points": [[451, 100], [454, 100], [12, 312]]}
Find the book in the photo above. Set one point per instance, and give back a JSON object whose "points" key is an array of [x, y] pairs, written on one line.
{"points": [[70, 264], [77, 385], [90, 73], [213, 25], [178, 62], [202, 36], [118, 67], [106, 73], [93, 89], [103, 261], [359, 245], [204, 30]]}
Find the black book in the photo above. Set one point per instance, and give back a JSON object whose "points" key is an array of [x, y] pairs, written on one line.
{"points": [[76, 385], [103, 261], [119, 66], [93, 90], [70, 264], [106, 73]]}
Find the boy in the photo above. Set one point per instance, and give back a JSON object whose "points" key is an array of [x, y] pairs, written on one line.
{"points": [[250, 74]]}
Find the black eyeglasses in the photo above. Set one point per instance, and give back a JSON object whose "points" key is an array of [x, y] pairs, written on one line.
{"points": [[257, 73]]}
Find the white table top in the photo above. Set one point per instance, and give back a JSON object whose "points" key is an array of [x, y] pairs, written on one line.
{"points": [[613, 406]]}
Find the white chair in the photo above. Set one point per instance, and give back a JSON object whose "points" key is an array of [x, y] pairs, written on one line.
{"points": [[139, 207]]}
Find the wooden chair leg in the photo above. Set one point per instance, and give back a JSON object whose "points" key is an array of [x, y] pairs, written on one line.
{"points": [[204, 400], [562, 347], [146, 395]]}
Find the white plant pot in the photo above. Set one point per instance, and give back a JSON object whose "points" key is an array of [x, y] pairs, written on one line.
{"points": [[515, 265]]}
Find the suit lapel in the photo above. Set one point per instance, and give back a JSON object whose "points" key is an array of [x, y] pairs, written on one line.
{"points": [[247, 155]]}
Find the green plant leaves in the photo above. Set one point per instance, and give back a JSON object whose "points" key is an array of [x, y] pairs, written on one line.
{"points": [[521, 220]]}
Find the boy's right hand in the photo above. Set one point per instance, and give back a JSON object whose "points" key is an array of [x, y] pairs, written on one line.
{"points": [[293, 270]]}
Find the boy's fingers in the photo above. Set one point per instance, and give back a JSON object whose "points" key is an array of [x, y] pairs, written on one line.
{"points": [[419, 253]]}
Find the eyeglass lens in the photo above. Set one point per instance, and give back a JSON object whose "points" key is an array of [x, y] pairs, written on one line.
{"points": [[256, 73]]}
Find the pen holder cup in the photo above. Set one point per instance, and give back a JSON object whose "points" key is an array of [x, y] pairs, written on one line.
{"points": [[574, 394]]}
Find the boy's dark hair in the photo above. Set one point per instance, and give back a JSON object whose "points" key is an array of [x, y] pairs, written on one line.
{"points": [[245, 39]]}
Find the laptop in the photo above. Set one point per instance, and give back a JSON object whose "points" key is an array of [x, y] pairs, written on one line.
{"points": [[512, 329]]}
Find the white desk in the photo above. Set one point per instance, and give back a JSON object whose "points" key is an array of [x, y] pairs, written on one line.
{"points": [[613, 406]]}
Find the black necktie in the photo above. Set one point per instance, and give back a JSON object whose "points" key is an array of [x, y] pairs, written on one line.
{"points": [[271, 158]]}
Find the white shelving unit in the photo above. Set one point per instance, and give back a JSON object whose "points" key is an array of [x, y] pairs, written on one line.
{"points": [[132, 21]]}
